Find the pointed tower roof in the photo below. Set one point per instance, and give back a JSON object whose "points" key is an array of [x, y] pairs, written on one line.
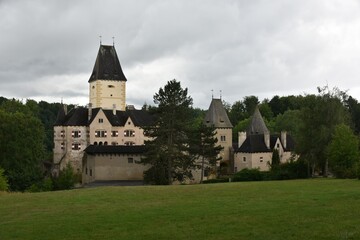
{"points": [[60, 116], [257, 124], [217, 116], [107, 65]]}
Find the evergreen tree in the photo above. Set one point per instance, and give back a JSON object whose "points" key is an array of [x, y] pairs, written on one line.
{"points": [[275, 159], [168, 150], [204, 147]]}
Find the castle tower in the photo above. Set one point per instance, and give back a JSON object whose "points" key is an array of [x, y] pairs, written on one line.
{"points": [[217, 116], [107, 83]]}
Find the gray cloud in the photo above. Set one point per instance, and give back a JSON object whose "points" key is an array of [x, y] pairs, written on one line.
{"points": [[243, 48]]}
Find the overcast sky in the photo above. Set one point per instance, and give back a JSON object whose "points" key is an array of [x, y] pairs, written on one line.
{"points": [[262, 48]]}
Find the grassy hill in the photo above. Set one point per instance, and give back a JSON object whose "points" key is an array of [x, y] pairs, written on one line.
{"points": [[302, 209]]}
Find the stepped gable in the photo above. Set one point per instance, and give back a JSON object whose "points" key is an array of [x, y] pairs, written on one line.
{"points": [[257, 124], [60, 116], [107, 65], [118, 149], [216, 115]]}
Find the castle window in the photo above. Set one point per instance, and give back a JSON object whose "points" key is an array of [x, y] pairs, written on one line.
{"points": [[244, 159], [111, 86], [101, 120], [129, 133], [114, 143], [223, 138], [130, 160], [76, 146], [100, 133], [261, 159], [278, 145], [129, 143], [114, 133], [95, 143], [105, 143], [76, 134], [62, 145], [62, 133], [100, 143]]}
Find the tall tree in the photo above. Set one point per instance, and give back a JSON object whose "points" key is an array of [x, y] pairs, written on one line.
{"points": [[319, 117], [168, 150], [343, 152], [203, 147], [21, 148]]}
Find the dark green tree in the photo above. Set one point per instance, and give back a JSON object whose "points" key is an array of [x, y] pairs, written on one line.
{"points": [[275, 159], [203, 147], [343, 152], [168, 150], [3, 181], [21, 148], [319, 116]]}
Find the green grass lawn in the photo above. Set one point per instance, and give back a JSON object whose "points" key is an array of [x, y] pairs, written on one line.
{"points": [[301, 209]]}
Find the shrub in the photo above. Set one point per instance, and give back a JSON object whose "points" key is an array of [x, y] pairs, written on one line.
{"points": [[44, 186], [246, 174], [289, 170], [66, 179], [4, 186]]}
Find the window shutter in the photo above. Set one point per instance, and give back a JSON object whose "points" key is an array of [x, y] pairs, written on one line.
{"points": [[105, 133]]}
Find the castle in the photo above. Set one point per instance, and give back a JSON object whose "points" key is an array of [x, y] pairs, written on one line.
{"points": [[105, 141]]}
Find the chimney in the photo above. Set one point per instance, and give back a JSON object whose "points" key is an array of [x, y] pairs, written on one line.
{"points": [[283, 138], [114, 109], [241, 137], [267, 139], [65, 109], [90, 111]]}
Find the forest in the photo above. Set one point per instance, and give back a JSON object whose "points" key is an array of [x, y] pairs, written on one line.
{"points": [[325, 127]]}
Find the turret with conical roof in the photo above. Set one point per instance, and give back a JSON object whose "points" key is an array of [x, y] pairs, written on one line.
{"points": [[257, 124], [107, 82], [216, 115]]}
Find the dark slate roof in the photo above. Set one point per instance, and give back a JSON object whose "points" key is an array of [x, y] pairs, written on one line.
{"points": [[257, 124], [75, 117], [96, 149], [107, 65], [217, 116], [79, 117], [255, 143], [60, 116]]}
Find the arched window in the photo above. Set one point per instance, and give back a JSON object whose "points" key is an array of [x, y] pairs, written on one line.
{"points": [[100, 143], [95, 143], [105, 143]]}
